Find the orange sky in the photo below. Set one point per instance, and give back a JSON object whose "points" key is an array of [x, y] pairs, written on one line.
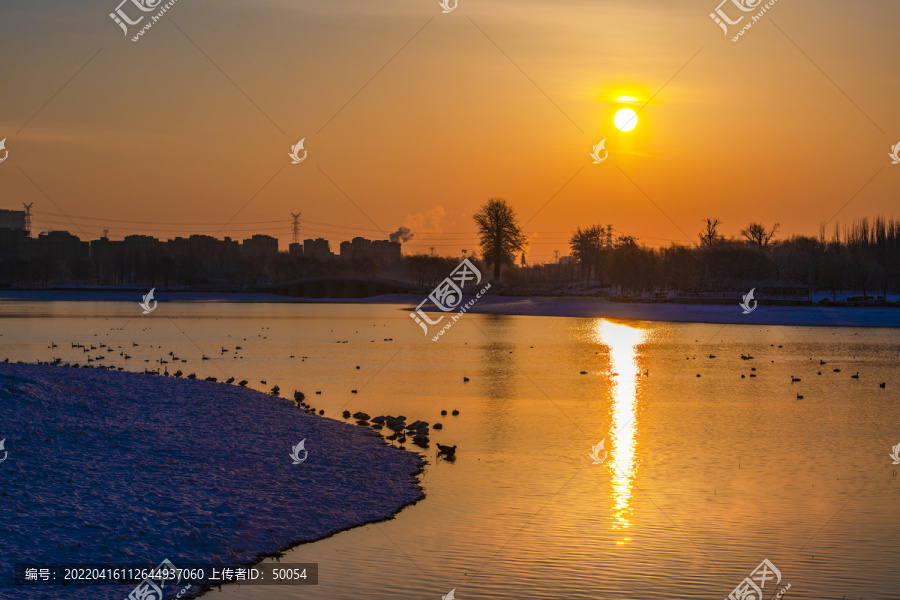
{"points": [[415, 117]]}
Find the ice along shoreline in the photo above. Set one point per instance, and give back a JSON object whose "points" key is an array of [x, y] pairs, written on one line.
{"points": [[118, 467]]}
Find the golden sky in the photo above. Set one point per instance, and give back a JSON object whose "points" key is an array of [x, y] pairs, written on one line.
{"points": [[411, 116]]}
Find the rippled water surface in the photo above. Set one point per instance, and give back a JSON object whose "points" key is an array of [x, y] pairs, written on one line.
{"points": [[706, 473]]}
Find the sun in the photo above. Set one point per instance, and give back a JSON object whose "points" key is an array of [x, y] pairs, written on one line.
{"points": [[625, 120]]}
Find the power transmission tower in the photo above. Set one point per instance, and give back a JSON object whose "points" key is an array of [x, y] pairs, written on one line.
{"points": [[295, 228], [106, 233], [609, 229], [556, 255], [28, 218]]}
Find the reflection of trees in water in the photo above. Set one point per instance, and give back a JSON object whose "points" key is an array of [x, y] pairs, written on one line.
{"points": [[497, 377], [498, 371]]}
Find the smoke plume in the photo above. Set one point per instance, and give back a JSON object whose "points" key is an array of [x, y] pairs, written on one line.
{"points": [[402, 235]]}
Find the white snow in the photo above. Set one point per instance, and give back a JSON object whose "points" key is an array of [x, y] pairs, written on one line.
{"points": [[117, 467]]}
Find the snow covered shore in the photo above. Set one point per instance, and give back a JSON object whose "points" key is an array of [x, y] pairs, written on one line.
{"points": [[117, 467], [805, 316], [538, 306]]}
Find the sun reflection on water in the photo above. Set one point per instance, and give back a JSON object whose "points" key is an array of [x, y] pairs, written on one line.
{"points": [[622, 341]]}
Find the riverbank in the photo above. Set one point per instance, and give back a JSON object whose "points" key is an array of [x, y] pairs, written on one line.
{"points": [[540, 306], [807, 316], [107, 467]]}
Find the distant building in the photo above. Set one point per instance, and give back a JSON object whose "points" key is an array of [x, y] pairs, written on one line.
{"points": [[142, 244], [196, 259], [61, 245], [190, 246], [13, 242], [104, 249], [260, 244], [12, 232], [384, 251], [318, 248], [360, 247], [12, 219], [381, 251]]}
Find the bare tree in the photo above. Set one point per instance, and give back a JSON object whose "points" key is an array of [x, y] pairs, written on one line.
{"points": [[500, 233], [756, 234], [711, 235]]}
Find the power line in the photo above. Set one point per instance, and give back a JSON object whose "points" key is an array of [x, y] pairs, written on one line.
{"points": [[37, 212], [315, 228]]}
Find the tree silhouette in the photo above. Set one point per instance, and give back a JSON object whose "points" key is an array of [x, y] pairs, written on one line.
{"points": [[756, 234], [711, 235], [587, 248], [501, 236]]}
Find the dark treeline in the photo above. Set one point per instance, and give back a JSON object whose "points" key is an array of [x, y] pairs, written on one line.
{"points": [[172, 272], [209, 270], [863, 256]]}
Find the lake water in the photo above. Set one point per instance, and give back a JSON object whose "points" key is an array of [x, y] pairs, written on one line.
{"points": [[704, 478]]}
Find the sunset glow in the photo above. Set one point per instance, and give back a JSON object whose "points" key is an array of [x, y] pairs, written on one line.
{"points": [[403, 131]]}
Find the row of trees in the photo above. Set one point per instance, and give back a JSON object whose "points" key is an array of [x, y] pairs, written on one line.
{"points": [[189, 272], [863, 256]]}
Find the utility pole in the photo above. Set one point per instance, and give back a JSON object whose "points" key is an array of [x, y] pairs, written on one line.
{"points": [[106, 233], [295, 228], [28, 218]]}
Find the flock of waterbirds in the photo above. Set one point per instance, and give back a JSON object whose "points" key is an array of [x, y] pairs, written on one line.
{"points": [[416, 432], [794, 379], [397, 428]]}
